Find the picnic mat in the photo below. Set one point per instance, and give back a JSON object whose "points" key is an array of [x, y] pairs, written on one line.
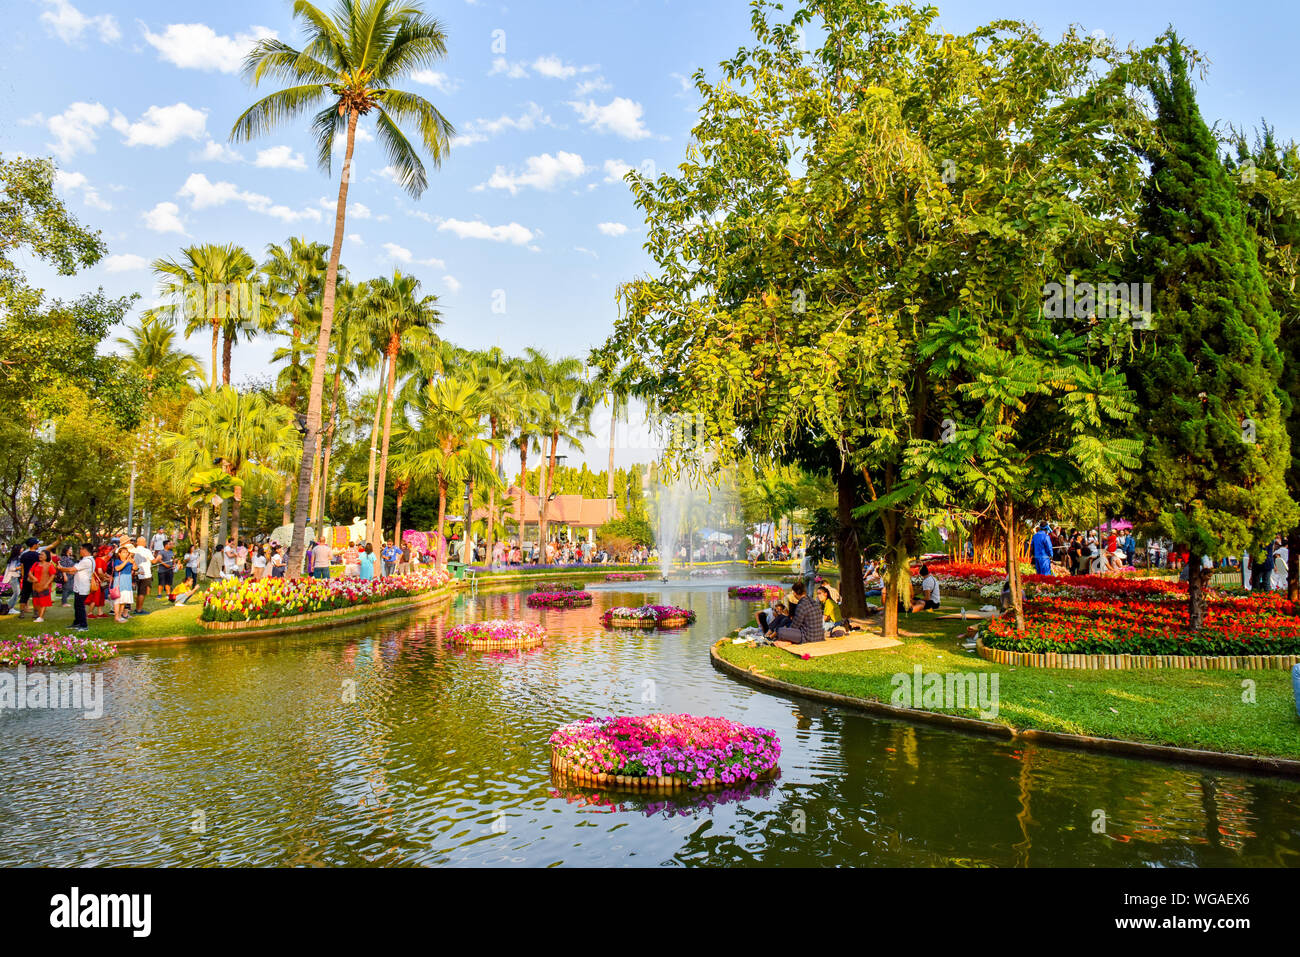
{"points": [[834, 646]]}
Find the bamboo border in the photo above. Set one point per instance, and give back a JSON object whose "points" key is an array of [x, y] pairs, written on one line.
{"points": [[1089, 662], [569, 773], [494, 644]]}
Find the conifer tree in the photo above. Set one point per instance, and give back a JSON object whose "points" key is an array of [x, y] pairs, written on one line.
{"points": [[1217, 450]]}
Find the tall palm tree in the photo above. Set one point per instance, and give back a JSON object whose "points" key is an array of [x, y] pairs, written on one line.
{"points": [[210, 286], [564, 413], [503, 392], [346, 70], [295, 272], [347, 341], [241, 432], [152, 354], [446, 446], [616, 391], [396, 316]]}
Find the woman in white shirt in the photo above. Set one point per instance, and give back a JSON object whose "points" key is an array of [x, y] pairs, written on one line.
{"points": [[259, 563]]}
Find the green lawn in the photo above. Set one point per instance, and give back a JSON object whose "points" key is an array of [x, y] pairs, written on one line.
{"points": [[1190, 709], [163, 620]]}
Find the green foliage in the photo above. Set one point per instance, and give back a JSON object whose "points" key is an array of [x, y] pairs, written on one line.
{"points": [[1218, 453], [635, 530]]}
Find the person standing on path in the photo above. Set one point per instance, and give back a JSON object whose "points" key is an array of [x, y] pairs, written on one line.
{"points": [[81, 584], [1040, 547]]}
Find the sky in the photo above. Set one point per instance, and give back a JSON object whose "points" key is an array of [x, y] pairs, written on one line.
{"points": [[527, 229]]}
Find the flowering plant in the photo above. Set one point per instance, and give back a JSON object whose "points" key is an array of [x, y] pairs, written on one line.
{"points": [[625, 577], [566, 599], [699, 751], [647, 614], [35, 650], [249, 599], [755, 592], [559, 586], [1254, 625], [497, 631]]}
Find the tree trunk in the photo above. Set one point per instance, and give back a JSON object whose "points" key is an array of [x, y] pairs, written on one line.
{"points": [[297, 545], [442, 516], [216, 341], [1293, 564], [1195, 590], [1008, 513], [492, 493], [287, 510], [397, 532], [377, 538], [203, 540], [853, 599], [374, 434], [523, 476], [544, 502], [465, 551], [235, 510], [319, 514], [227, 347]]}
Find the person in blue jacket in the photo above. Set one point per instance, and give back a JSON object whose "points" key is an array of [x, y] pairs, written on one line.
{"points": [[1040, 547]]}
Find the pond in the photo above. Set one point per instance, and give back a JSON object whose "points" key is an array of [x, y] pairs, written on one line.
{"points": [[245, 752]]}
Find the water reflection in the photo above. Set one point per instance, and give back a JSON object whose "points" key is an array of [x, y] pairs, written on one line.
{"points": [[247, 752]]}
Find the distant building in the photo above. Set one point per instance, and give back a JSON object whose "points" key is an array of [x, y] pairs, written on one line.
{"points": [[573, 512]]}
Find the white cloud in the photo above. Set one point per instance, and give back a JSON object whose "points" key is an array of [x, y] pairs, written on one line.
{"points": [[69, 23], [541, 172], [196, 46], [586, 252], [214, 152], [453, 284], [439, 81], [125, 262], [596, 84], [72, 182], [612, 229], [515, 71], [512, 233], [164, 218], [355, 238], [76, 128], [279, 157], [615, 170], [620, 116], [400, 253], [204, 194], [355, 210], [163, 125], [477, 131], [433, 261]]}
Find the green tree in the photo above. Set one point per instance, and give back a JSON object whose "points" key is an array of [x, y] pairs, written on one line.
{"points": [[347, 70], [1217, 449]]}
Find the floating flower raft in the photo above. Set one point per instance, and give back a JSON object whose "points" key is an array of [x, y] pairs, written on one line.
{"points": [[497, 633], [663, 752], [625, 577], [755, 592], [36, 650], [565, 599], [648, 616], [558, 586]]}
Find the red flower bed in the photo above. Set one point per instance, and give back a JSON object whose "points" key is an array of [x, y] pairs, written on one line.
{"points": [[1248, 625]]}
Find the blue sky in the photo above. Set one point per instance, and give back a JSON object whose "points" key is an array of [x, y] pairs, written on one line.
{"points": [[551, 100]]}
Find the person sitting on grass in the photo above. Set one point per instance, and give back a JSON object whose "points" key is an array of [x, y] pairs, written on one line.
{"points": [[929, 589], [805, 624], [770, 620], [831, 619]]}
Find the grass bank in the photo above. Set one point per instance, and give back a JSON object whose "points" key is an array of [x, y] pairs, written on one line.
{"points": [[1187, 709]]}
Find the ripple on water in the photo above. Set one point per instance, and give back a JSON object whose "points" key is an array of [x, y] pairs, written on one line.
{"points": [[250, 752]]}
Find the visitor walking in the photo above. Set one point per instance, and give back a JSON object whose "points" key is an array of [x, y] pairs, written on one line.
{"points": [[1281, 557], [144, 559], [366, 563], [321, 556], [27, 560], [166, 567], [1040, 547], [42, 578], [99, 580]]}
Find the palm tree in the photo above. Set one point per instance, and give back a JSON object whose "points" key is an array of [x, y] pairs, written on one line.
{"points": [[294, 273], [211, 287], [241, 432], [347, 67], [152, 355], [394, 311], [446, 446], [503, 393], [564, 413], [616, 392], [347, 342]]}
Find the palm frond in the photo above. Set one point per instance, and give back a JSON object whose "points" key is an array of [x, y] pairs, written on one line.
{"points": [[274, 109], [402, 156]]}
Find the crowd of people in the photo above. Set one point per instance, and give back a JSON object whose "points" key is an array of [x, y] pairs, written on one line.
{"points": [[118, 573]]}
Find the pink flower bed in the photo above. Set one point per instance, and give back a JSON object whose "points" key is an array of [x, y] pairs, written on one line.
{"points": [[625, 577], [565, 599], [646, 615], [496, 633], [755, 592], [700, 752], [36, 650]]}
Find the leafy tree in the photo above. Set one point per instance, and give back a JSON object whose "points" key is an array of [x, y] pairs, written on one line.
{"points": [[1217, 448], [347, 69]]}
